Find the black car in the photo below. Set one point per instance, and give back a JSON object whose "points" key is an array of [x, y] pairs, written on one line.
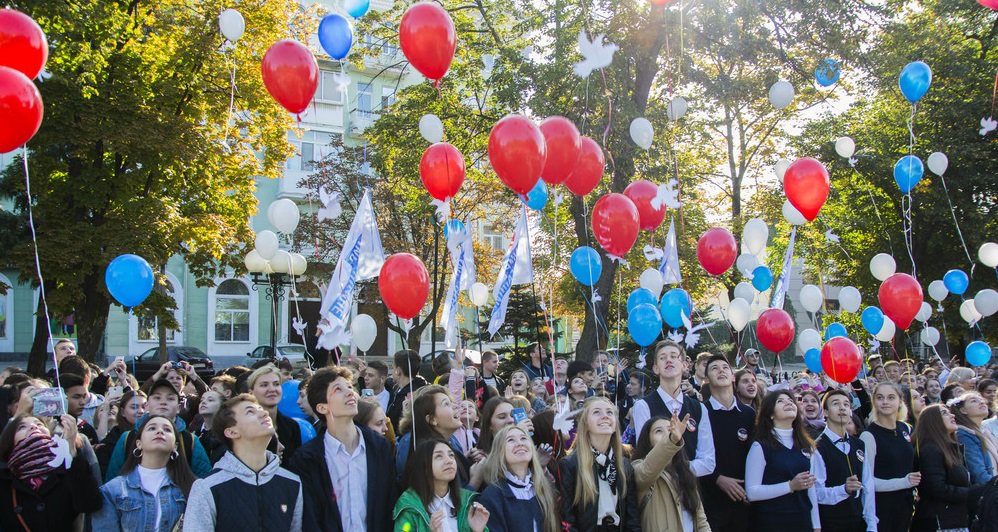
{"points": [[471, 358], [146, 364]]}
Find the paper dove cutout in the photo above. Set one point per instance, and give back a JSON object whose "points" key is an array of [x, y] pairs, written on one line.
{"points": [[666, 195], [641, 361], [559, 197], [564, 420], [342, 81], [852, 161], [988, 125], [653, 254], [595, 54], [61, 450], [443, 209], [330, 209], [299, 326], [874, 344], [596, 297], [831, 237], [676, 336], [332, 333]]}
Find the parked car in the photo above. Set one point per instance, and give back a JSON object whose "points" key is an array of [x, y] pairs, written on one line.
{"points": [[146, 364], [471, 357], [294, 353]]}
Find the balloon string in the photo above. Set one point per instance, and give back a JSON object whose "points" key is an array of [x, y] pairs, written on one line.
{"points": [[908, 238], [959, 232], [869, 191], [38, 271], [589, 264], [232, 99], [994, 93]]}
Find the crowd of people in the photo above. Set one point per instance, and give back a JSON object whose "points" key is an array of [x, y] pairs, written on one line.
{"points": [[686, 444]]}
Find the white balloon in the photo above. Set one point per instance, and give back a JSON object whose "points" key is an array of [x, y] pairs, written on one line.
{"points": [[232, 25], [254, 262], [781, 94], [431, 128], [676, 108], [924, 313], [284, 215], [886, 333], [792, 215], [745, 291], [929, 336], [808, 339], [850, 298], [986, 302], [364, 330], [739, 311], [938, 290], [281, 263], [845, 147], [811, 298], [651, 279], [755, 235], [882, 266], [988, 254], [746, 263], [968, 311], [641, 132], [938, 163], [266, 244], [298, 264], [479, 294], [780, 168]]}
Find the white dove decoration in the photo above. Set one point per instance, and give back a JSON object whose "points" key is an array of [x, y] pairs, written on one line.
{"points": [[874, 344], [853, 161], [988, 125], [692, 336], [443, 209], [641, 361], [596, 297], [676, 336], [831, 237], [558, 198], [61, 450], [342, 81], [298, 325], [332, 334], [564, 420], [330, 209], [652, 254], [666, 195], [595, 54]]}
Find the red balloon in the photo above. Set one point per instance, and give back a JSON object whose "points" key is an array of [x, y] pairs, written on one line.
{"points": [[775, 329], [641, 193], [428, 39], [21, 109], [900, 298], [588, 169], [517, 152], [806, 184], [23, 46], [290, 74], [717, 250], [615, 223], [404, 285], [442, 170], [841, 359], [562, 141], [661, 2], [992, 4]]}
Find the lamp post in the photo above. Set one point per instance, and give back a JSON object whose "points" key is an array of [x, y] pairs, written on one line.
{"points": [[275, 276]]}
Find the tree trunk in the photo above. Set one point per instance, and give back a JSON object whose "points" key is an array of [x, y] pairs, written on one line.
{"points": [[160, 327], [38, 356], [91, 317]]}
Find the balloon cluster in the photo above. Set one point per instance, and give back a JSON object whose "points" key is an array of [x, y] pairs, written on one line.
{"points": [[23, 53], [266, 256]]}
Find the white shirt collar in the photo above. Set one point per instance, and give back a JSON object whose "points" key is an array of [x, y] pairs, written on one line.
{"points": [[668, 398], [833, 437], [336, 446], [718, 406]]}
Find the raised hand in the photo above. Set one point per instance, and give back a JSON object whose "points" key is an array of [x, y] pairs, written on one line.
{"points": [[478, 517]]}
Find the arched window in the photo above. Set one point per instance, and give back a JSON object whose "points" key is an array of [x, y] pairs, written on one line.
{"points": [[232, 312]]}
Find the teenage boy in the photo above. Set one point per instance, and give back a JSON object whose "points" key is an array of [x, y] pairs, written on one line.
{"points": [[752, 357], [375, 375], [893, 370], [91, 400], [248, 489], [843, 502], [668, 399], [535, 365], [731, 423], [77, 395], [490, 365], [348, 465], [407, 381], [63, 348], [265, 385]]}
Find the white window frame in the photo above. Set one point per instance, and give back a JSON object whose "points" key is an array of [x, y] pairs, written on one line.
{"points": [[490, 234], [178, 314], [326, 78], [225, 347], [318, 146], [370, 113]]}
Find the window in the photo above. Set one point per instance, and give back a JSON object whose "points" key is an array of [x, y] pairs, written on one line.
{"points": [[493, 236], [232, 312], [311, 148], [364, 100], [3, 315], [148, 326], [387, 96], [329, 90]]}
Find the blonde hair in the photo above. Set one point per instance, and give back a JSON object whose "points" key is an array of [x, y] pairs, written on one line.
{"points": [[902, 413], [496, 469], [260, 372], [520, 401], [586, 488], [958, 374]]}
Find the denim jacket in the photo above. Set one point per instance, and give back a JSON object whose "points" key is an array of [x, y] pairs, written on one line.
{"points": [[975, 456], [127, 507]]}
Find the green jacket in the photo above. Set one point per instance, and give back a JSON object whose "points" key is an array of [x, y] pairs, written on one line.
{"points": [[411, 516]]}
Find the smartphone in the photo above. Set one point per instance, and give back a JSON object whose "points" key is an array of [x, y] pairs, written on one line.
{"points": [[49, 402], [115, 392], [519, 415], [119, 359], [367, 392], [175, 365]]}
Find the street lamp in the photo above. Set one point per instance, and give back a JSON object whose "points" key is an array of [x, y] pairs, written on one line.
{"points": [[275, 275]]}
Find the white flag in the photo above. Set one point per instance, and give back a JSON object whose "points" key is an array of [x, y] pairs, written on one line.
{"points": [[670, 258], [463, 258], [780, 294], [360, 259], [516, 268]]}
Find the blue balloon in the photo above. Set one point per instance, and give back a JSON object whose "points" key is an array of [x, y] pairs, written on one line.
{"points": [[835, 330], [640, 296], [762, 278], [537, 198], [586, 265], [873, 320], [977, 353], [956, 281], [129, 279], [644, 323], [336, 35], [812, 359], [827, 73], [357, 8], [453, 225], [676, 303], [915, 80], [908, 172]]}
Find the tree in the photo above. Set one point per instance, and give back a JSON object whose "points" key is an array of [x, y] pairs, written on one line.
{"points": [[139, 152]]}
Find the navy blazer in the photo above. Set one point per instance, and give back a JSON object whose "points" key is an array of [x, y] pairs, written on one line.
{"points": [[507, 513]]}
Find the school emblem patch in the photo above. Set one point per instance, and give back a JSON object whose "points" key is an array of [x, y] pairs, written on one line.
{"points": [[742, 434], [859, 455], [284, 508], [691, 425]]}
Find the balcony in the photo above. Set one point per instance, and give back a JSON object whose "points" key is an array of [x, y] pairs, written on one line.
{"points": [[360, 120]]}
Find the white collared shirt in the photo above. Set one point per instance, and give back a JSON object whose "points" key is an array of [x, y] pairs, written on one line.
{"points": [[444, 503], [348, 472], [383, 398], [704, 461], [716, 405], [837, 494]]}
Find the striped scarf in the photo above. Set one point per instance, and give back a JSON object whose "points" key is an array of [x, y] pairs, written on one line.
{"points": [[29, 461]]}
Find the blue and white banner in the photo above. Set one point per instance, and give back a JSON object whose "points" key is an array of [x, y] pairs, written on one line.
{"points": [[516, 268], [463, 258], [780, 294], [670, 258], [360, 259]]}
